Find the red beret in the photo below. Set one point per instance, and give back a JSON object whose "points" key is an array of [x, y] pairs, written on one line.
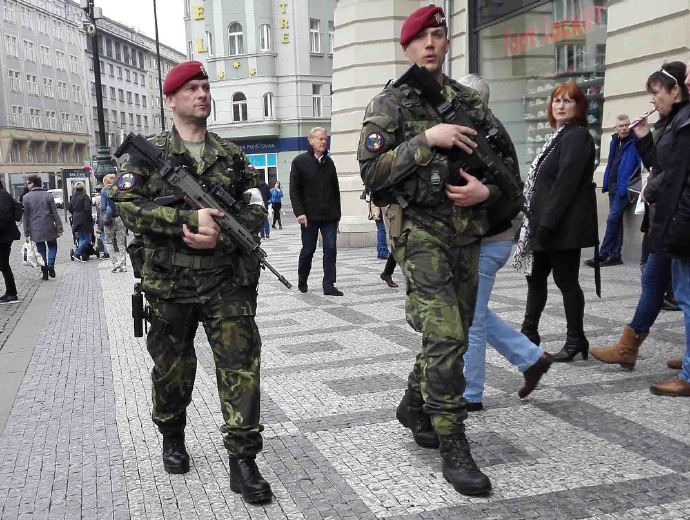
{"points": [[181, 74], [422, 18]]}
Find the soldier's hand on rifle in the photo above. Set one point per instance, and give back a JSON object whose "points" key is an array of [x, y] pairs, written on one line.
{"points": [[472, 193], [447, 136], [206, 236]]}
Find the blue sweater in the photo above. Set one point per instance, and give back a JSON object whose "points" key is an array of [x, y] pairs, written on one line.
{"points": [[630, 160]]}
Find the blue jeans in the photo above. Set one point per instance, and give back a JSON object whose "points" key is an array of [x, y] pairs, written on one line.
{"points": [[612, 245], [488, 326], [381, 245], [265, 229], [84, 240], [52, 251], [310, 235], [681, 289], [655, 279]]}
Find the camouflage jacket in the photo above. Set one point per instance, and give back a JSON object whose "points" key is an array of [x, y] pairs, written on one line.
{"points": [[395, 156], [172, 270]]}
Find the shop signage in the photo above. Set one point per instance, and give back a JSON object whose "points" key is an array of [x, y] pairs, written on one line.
{"points": [[284, 23], [550, 32]]}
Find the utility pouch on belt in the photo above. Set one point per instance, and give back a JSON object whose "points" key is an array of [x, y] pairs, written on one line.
{"points": [[135, 249], [394, 218]]}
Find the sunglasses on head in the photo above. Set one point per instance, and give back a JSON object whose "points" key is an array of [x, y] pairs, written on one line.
{"points": [[668, 74]]}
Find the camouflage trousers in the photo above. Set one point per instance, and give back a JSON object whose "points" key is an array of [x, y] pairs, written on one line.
{"points": [[441, 291], [236, 347]]}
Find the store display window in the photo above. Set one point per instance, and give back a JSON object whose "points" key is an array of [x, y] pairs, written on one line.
{"points": [[525, 55]]}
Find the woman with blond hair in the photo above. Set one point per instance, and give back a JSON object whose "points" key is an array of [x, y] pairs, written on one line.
{"points": [[115, 230]]}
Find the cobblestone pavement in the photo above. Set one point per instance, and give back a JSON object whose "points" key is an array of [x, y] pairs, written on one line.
{"points": [[591, 442]]}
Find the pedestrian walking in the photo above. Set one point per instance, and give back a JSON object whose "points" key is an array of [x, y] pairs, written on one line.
{"points": [[276, 204], [315, 197], [9, 232], [191, 273], [113, 228], [82, 222], [265, 231], [42, 223], [560, 218], [401, 150]]}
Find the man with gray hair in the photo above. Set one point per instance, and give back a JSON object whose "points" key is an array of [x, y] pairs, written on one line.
{"points": [[315, 198], [623, 161]]}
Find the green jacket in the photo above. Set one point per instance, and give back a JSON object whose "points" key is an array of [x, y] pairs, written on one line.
{"points": [[172, 270], [395, 157]]}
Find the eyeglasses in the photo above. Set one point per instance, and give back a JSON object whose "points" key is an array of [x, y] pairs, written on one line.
{"points": [[668, 74]]}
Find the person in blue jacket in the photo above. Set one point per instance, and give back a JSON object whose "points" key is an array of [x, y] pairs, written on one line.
{"points": [[623, 161]]}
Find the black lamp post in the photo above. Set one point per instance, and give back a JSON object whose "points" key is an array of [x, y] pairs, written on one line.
{"points": [[104, 162]]}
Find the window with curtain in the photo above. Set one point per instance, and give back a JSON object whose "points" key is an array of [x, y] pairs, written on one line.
{"points": [[239, 107], [235, 43]]}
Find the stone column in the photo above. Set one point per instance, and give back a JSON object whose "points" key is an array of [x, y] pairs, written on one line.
{"points": [[367, 54]]}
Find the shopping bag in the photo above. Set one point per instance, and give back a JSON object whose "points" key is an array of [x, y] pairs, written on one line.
{"points": [[30, 255], [639, 205]]}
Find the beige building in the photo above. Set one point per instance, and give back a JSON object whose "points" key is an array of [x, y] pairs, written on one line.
{"points": [[523, 47]]}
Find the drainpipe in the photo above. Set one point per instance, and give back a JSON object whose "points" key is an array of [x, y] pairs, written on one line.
{"points": [[447, 8]]}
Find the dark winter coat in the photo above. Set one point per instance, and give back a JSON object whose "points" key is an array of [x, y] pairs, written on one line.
{"points": [[669, 186], [8, 228], [630, 161], [314, 188], [80, 208], [564, 200], [41, 218]]}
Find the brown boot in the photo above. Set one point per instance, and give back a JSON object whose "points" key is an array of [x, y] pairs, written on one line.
{"points": [[624, 351], [674, 387], [674, 363]]}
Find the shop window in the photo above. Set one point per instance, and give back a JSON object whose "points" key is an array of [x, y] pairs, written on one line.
{"points": [[235, 43], [239, 107]]}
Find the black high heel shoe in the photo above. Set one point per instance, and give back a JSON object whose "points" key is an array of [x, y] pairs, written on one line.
{"points": [[574, 345]]}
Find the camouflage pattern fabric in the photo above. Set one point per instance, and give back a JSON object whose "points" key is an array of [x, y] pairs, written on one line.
{"points": [[438, 250], [236, 347], [185, 286], [442, 280]]}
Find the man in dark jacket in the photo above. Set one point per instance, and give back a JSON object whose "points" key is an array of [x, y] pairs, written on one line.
{"points": [[8, 234], [315, 197], [623, 161]]}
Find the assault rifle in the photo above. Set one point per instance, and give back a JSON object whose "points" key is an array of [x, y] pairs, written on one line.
{"points": [[199, 196], [484, 162]]}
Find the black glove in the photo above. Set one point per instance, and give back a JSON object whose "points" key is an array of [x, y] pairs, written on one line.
{"points": [[543, 235]]}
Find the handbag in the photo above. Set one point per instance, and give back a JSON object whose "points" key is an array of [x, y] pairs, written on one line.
{"points": [[30, 255], [635, 185]]}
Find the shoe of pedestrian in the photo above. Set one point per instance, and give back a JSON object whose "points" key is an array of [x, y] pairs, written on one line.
{"points": [[105, 255], [574, 344], [280, 226], [51, 271], [175, 456], [418, 422], [78, 258], [611, 260], [302, 286], [388, 279], [9, 299], [44, 272], [474, 407], [71, 255], [590, 262], [533, 374], [531, 330], [460, 469], [674, 387], [273, 226], [674, 363], [245, 478], [669, 303], [332, 291], [624, 351]]}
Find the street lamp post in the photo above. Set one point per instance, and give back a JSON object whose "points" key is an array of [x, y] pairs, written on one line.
{"points": [[104, 162]]}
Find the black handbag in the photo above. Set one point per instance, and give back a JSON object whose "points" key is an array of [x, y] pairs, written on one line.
{"points": [[635, 185]]}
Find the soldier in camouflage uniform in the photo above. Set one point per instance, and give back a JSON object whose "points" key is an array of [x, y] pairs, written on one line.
{"points": [[401, 159], [193, 274]]}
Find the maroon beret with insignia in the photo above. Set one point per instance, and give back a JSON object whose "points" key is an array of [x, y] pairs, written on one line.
{"points": [[181, 74], [422, 18]]}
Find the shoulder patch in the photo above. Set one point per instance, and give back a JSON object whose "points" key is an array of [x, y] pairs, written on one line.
{"points": [[374, 142], [126, 181]]}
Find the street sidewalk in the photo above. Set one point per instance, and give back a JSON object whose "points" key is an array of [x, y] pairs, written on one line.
{"points": [[591, 442]]}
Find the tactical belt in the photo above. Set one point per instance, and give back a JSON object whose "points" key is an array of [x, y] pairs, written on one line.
{"points": [[179, 259]]}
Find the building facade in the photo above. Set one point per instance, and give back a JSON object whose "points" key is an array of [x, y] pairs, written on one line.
{"points": [[523, 47], [129, 82], [43, 98], [270, 65]]}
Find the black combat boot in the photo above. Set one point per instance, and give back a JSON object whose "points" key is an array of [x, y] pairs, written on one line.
{"points": [[460, 469], [246, 478], [411, 416], [175, 456], [531, 330]]}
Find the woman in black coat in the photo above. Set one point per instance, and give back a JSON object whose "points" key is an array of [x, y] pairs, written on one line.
{"points": [[82, 221], [560, 218], [8, 234]]}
